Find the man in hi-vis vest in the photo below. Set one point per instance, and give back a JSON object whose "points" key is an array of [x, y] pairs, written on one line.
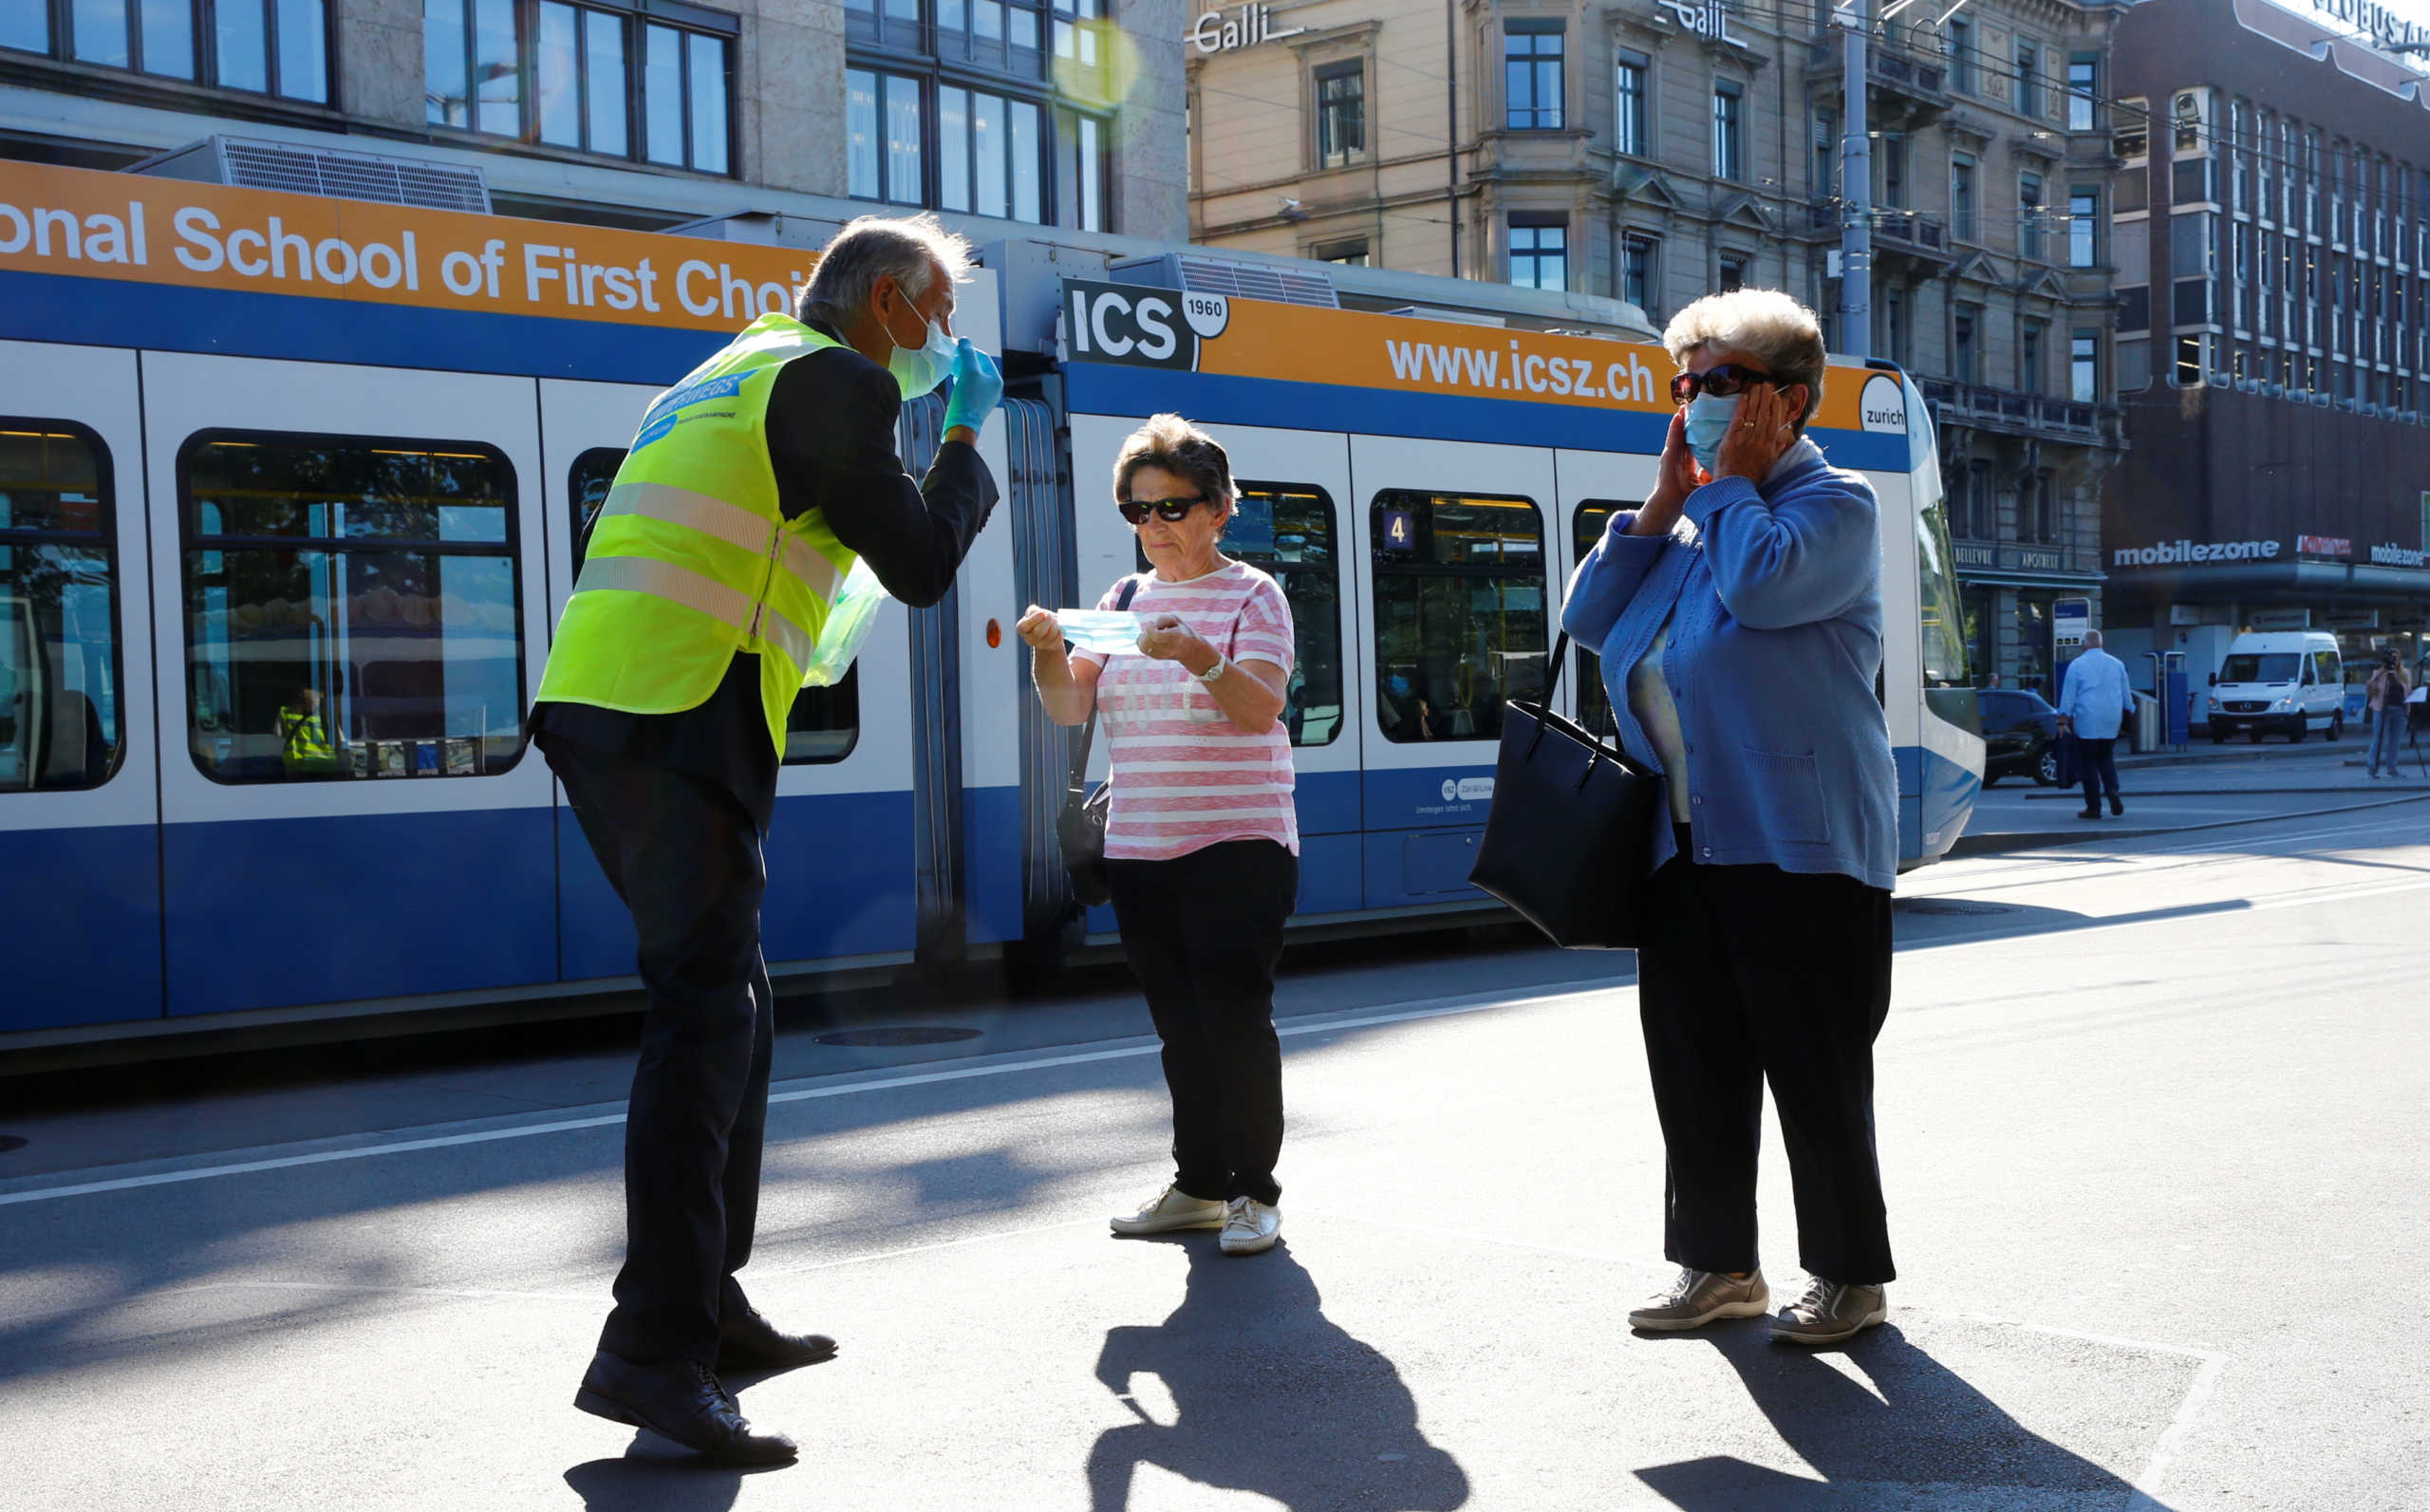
{"points": [[750, 490]]}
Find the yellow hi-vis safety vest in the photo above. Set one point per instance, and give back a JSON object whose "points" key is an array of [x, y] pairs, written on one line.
{"points": [[692, 560], [307, 744]]}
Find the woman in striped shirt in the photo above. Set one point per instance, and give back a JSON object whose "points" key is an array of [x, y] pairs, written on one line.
{"points": [[1202, 841]]}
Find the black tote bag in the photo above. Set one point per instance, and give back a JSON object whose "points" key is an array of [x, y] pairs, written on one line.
{"points": [[1081, 828], [1569, 840]]}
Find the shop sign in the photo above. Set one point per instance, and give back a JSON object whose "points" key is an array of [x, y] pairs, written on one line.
{"points": [[2280, 619], [2069, 620], [2377, 21], [1706, 18], [2351, 619], [1249, 25], [1977, 555], [2031, 559], [2324, 546], [2179, 553], [2392, 554]]}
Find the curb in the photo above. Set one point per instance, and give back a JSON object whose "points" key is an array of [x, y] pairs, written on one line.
{"points": [[2072, 795], [1992, 844]]}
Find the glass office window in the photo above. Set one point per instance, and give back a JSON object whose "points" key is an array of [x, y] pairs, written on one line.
{"points": [[25, 28], [1287, 530], [604, 83], [1587, 524], [240, 53], [557, 86], [1459, 595], [1341, 113], [1027, 162], [662, 95], [705, 96], [303, 50], [1531, 70], [953, 148], [60, 709], [905, 146], [824, 722], [166, 37], [566, 74], [352, 607], [1539, 252], [101, 32], [884, 143]]}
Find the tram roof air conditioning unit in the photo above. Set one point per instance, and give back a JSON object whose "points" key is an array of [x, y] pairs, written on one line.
{"points": [[1216, 275], [298, 169]]}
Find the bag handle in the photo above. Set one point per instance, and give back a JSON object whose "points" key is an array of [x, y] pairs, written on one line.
{"points": [[1080, 781]]}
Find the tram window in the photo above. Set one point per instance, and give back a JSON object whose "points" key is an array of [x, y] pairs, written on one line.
{"points": [[824, 722], [1286, 529], [1459, 612], [1940, 610], [59, 718], [352, 606], [1594, 703]]}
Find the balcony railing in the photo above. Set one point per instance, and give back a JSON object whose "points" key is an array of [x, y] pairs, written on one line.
{"points": [[2008, 409], [1925, 81], [1901, 230]]}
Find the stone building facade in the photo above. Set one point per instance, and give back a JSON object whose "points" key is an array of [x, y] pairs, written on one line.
{"points": [[642, 112], [1655, 150]]}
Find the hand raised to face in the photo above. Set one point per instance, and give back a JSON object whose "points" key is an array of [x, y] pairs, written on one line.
{"points": [[1760, 434]]}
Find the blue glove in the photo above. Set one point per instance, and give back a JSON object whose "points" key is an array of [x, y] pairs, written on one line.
{"points": [[978, 388]]}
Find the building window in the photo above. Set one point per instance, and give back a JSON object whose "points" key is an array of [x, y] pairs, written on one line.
{"points": [[1963, 325], [2083, 365], [1826, 156], [1531, 72], [1981, 522], [1961, 56], [1341, 113], [2028, 217], [990, 154], [1733, 274], [1539, 251], [1962, 196], [1728, 131], [1459, 595], [883, 150], [263, 47], [1350, 253], [62, 723], [992, 35], [573, 76], [2028, 79], [2084, 224], [354, 607], [1893, 173], [2189, 362], [1082, 181], [1638, 278], [2028, 357], [1629, 117], [2083, 90], [1893, 323], [2045, 510]]}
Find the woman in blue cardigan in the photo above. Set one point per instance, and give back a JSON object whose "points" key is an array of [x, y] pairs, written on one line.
{"points": [[1738, 611]]}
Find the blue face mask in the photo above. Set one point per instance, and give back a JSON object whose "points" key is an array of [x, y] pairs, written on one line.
{"points": [[919, 369], [1708, 422]]}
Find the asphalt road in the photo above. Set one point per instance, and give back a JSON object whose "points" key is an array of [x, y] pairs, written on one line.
{"points": [[2151, 1115]]}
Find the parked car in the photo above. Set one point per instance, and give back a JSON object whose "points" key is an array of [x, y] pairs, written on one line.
{"points": [[2284, 682], [2020, 735]]}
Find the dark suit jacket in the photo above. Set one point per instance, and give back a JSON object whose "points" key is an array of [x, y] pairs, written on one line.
{"points": [[830, 426]]}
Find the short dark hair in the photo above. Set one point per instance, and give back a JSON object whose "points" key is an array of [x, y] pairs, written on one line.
{"points": [[1180, 448]]}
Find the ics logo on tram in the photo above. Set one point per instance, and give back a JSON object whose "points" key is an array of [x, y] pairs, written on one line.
{"points": [[1153, 328]]}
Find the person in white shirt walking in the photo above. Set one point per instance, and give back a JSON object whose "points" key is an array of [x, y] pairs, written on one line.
{"points": [[2092, 706]]}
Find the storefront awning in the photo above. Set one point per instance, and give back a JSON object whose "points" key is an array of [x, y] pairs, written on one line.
{"points": [[2353, 582]]}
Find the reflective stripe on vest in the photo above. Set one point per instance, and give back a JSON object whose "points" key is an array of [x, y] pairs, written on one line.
{"points": [[727, 522], [680, 585]]}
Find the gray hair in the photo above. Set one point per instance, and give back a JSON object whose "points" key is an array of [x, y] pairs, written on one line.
{"points": [[1765, 324], [912, 250], [2092, 639]]}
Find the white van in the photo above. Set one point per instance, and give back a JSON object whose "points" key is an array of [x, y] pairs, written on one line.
{"points": [[2280, 682]]}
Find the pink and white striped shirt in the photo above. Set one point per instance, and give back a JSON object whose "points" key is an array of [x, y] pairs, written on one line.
{"points": [[1184, 775]]}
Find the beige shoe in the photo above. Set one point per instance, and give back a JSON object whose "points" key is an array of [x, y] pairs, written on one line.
{"points": [[1698, 1297], [1829, 1311], [1250, 1227], [1171, 1209]]}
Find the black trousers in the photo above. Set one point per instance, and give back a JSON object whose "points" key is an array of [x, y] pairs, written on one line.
{"points": [[1757, 974], [2098, 760], [686, 858], [1203, 932]]}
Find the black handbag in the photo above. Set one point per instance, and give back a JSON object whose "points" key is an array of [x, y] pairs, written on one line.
{"points": [[1080, 827], [1569, 840]]}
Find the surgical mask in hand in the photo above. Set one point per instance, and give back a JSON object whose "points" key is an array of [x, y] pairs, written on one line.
{"points": [[1708, 422], [1107, 633], [919, 369]]}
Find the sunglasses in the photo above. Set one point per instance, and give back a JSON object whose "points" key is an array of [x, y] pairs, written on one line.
{"points": [[1721, 382], [1168, 509]]}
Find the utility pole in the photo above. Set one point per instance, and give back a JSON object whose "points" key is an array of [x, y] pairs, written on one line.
{"points": [[1856, 190], [1451, 128]]}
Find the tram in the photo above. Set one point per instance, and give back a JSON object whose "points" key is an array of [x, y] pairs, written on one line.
{"points": [[291, 493]]}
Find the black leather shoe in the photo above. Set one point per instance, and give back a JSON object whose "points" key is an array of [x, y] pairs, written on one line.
{"points": [[680, 1401], [2090, 814], [751, 1343], [2116, 807]]}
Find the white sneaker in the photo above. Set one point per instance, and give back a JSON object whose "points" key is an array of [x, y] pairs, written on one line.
{"points": [[1172, 1208], [1250, 1227]]}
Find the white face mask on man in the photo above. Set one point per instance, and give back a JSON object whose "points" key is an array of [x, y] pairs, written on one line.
{"points": [[919, 369]]}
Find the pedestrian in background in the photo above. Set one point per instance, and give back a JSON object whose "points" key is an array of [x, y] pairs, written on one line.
{"points": [[2092, 706], [1738, 612], [749, 493], [2388, 692], [1202, 840]]}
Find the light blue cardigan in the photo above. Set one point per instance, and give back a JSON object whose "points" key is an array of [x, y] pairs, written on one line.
{"points": [[1773, 658]]}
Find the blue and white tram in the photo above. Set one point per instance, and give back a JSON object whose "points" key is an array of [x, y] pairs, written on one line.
{"points": [[215, 493]]}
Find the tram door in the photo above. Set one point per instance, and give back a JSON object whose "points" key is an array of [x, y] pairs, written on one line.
{"points": [[352, 581], [1593, 486], [1454, 543], [80, 882], [1294, 523]]}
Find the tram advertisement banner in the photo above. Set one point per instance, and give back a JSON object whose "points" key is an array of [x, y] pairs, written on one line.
{"points": [[1131, 325], [86, 224]]}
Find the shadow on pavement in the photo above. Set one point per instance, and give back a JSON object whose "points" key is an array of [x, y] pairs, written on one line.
{"points": [[1269, 1396], [1929, 1439], [651, 1478]]}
